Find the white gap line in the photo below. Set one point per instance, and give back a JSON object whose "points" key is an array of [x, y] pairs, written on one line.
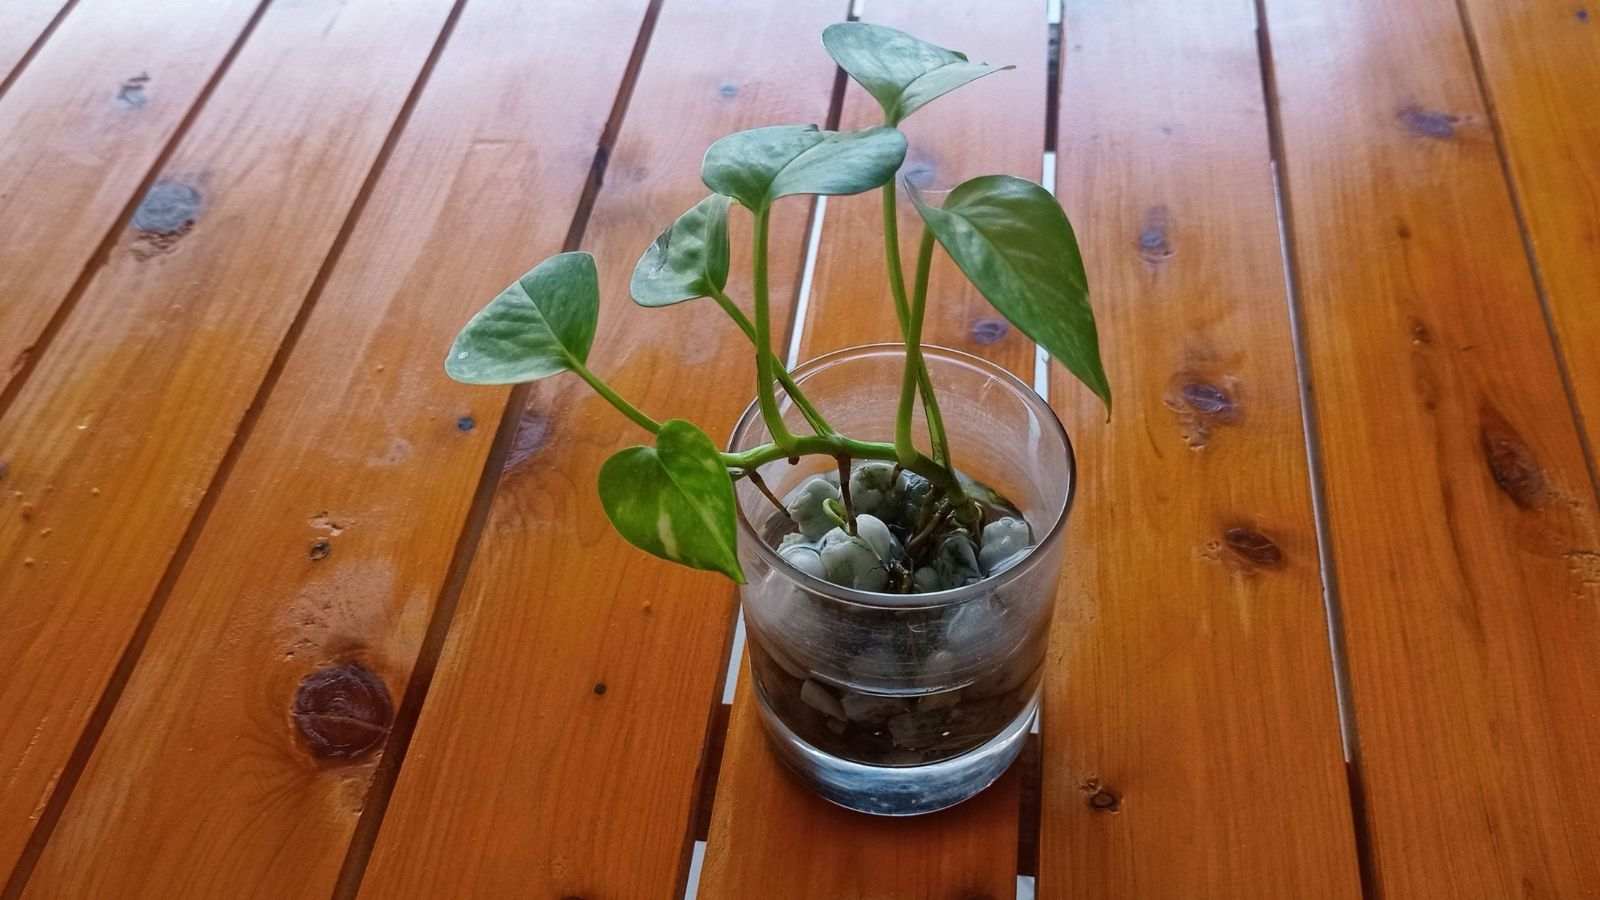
{"points": [[857, 7], [1034, 728], [698, 859], [730, 681], [1052, 12], [1025, 885], [802, 306], [1041, 358], [802, 303], [1330, 606]]}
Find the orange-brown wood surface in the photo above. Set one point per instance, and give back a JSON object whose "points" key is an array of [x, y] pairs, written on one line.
{"points": [[25, 22], [116, 435], [994, 125], [284, 612], [599, 664], [1462, 514], [1540, 62], [332, 537], [1190, 738], [96, 106]]}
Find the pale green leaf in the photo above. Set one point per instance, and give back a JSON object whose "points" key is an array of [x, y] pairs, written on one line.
{"points": [[688, 260], [541, 325], [758, 166], [1015, 244], [901, 72], [674, 500]]}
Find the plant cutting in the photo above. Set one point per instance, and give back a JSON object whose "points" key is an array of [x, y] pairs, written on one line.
{"points": [[892, 513]]}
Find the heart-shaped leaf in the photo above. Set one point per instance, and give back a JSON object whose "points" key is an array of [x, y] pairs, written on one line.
{"points": [[674, 500], [688, 260], [541, 325], [1015, 244], [758, 166], [901, 72]]}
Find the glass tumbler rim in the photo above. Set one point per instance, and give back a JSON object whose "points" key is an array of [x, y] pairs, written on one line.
{"points": [[751, 418]]}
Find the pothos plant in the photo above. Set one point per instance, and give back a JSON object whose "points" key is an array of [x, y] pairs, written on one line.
{"points": [[1008, 235]]}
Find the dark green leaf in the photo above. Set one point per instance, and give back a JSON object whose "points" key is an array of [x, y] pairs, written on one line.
{"points": [[674, 500], [758, 166], [539, 326], [901, 72], [688, 260], [1013, 241]]}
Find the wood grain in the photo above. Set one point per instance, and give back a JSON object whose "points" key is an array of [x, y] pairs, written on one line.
{"points": [[112, 442], [558, 750], [97, 105], [25, 22], [1190, 740], [332, 536], [994, 125], [1541, 67], [1463, 518]]}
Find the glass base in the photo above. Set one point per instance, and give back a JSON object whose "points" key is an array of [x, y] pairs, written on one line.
{"points": [[899, 790]]}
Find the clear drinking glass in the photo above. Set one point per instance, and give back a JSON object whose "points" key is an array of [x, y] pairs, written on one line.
{"points": [[899, 704]]}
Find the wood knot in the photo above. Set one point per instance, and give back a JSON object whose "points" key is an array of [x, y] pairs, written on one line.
{"points": [[130, 92], [533, 431], [1427, 122], [1100, 797], [1253, 547], [1206, 399], [1105, 800], [987, 331], [1201, 403], [922, 172], [342, 711], [600, 687], [1512, 465], [728, 91], [170, 207], [466, 423], [167, 213], [1419, 332], [1155, 243], [321, 549]]}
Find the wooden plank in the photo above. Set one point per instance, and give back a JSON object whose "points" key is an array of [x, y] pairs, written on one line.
{"points": [[1190, 732], [1462, 514], [114, 439], [332, 535], [26, 21], [995, 125], [558, 750], [88, 118], [1541, 66]]}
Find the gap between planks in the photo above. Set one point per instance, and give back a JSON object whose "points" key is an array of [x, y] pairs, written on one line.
{"points": [[381, 787], [1332, 610], [61, 791], [33, 49], [102, 253], [1481, 76], [1029, 830]]}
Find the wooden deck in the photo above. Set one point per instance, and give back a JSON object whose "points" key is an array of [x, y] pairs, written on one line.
{"points": [[1330, 621]]}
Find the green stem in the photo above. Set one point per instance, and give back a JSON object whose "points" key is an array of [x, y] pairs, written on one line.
{"points": [[908, 384], [836, 445], [902, 310], [818, 423], [623, 406], [891, 256], [765, 396]]}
